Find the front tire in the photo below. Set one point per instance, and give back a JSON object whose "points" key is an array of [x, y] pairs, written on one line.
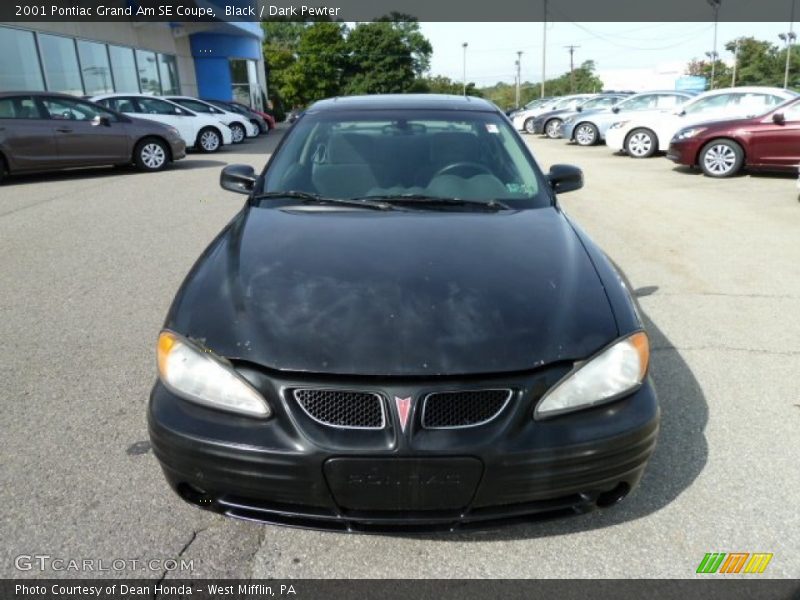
{"points": [[721, 158], [3, 169], [528, 125], [586, 134], [552, 129], [641, 143], [208, 140], [237, 133], [151, 155]]}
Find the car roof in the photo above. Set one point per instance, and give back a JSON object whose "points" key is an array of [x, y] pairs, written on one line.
{"points": [[403, 101], [29, 93]]}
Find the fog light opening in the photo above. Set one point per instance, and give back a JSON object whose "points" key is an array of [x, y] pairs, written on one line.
{"points": [[194, 495], [611, 497]]}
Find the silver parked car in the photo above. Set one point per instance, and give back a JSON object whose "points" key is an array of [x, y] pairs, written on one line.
{"points": [[588, 127]]}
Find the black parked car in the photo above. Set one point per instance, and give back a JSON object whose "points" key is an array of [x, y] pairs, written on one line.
{"points": [[401, 329]]}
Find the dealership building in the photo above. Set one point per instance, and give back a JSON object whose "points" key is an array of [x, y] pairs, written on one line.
{"points": [[217, 60]]}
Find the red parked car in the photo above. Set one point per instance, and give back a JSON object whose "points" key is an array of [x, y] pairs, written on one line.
{"points": [[770, 141]]}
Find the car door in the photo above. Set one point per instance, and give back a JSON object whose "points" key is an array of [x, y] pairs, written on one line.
{"points": [[775, 140], [168, 113], [27, 138], [85, 133]]}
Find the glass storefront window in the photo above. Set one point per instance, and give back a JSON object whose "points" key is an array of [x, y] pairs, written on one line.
{"points": [[19, 65], [95, 68], [148, 72], [60, 62], [124, 67], [168, 67], [244, 79]]}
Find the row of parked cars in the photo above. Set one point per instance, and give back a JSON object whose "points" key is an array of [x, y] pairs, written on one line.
{"points": [[721, 131], [41, 131]]}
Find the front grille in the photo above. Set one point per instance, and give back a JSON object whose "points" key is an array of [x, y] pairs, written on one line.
{"points": [[342, 408], [467, 408]]}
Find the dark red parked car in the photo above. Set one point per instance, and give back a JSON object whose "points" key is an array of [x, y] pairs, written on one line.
{"points": [[723, 148]]}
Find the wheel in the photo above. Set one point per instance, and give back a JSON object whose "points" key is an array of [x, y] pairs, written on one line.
{"points": [[528, 125], [641, 143], [721, 158], [238, 133], [258, 126], [586, 134], [151, 155], [3, 169], [552, 129], [208, 140]]}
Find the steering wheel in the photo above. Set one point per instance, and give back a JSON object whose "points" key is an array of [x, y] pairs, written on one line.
{"points": [[465, 165]]}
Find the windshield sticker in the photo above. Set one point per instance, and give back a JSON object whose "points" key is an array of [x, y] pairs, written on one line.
{"points": [[492, 128]]}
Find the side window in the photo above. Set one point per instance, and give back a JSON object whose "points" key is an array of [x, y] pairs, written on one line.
{"points": [[123, 105], [66, 109], [754, 104], [710, 103], [667, 101], [154, 106], [792, 113], [195, 106], [22, 107], [640, 103]]}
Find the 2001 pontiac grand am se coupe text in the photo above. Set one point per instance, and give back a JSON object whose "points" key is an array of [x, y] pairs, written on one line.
{"points": [[402, 330]]}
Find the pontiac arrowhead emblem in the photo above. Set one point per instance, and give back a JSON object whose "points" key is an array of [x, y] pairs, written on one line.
{"points": [[403, 410]]}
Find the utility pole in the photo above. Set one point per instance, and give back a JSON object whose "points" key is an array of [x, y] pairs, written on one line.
{"points": [[789, 38], [735, 61], [571, 67], [714, 4], [544, 45], [519, 69], [464, 78]]}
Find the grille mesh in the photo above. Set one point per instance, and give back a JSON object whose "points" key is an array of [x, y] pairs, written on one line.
{"points": [[462, 409], [342, 408]]}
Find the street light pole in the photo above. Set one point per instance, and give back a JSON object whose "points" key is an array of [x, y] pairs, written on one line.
{"points": [[735, 62], [544, 45], [519, 69], [464, 78], [715, 5], [789, 39]]}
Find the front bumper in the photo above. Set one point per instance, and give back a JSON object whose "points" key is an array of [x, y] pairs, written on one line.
{"points": [[683, 152], [568, 131], [538, 126], [293, 471], [177, 148], [615, 138]]}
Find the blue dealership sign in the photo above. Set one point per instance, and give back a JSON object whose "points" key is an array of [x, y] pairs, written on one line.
{"points": [[691, 83]]}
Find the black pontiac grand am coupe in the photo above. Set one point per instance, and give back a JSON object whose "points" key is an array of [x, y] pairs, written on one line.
{"points": [[401, 330]]}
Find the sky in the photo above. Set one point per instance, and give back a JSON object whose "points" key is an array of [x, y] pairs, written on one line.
{"points": [[492, 47]]}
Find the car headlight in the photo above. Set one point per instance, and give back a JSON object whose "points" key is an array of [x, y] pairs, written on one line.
{"points": [[174, 131], [200, 376], [614, 372], [685, 134], [618, 125]]}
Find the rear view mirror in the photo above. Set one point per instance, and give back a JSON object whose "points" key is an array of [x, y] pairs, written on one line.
{"points": [[778, 118], [238, 178], [565, 178]]}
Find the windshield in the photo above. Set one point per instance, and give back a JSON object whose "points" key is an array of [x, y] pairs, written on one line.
{"points": [[438, 153], [600, 102]]}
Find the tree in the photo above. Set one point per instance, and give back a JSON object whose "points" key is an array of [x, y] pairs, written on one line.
{"points": [[418, 44], [444, 85], [317, 71], [702, 68], [379, 60]]}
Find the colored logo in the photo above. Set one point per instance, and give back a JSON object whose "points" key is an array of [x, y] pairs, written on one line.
{"points": [[403, 410], [734, 562]]}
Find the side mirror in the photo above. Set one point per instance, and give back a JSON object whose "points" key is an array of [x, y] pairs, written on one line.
{"points": [[615, 109], [579, 109], [565, 178], [100, 120], [238, 178], [778, 118]]}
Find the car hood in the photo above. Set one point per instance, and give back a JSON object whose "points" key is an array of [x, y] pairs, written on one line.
{"points": [[417, 293], [554, 113]]}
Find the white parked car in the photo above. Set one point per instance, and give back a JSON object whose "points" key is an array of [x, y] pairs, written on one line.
{"points": [[203, 132], [523, 119], [643, 135], [241, 128]]}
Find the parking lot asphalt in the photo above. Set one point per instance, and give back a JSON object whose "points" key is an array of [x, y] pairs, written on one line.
{"points": [[92, 259]]}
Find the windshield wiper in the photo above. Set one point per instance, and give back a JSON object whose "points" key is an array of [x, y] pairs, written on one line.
{"points": [[422, 200], [309, 197]]}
